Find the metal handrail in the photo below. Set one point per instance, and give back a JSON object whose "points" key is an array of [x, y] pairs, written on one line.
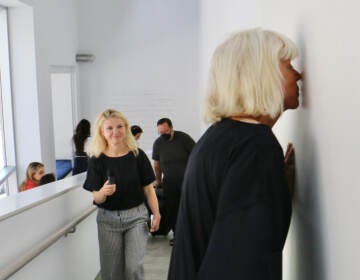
{"points": [[5, 172], [42, 246]]}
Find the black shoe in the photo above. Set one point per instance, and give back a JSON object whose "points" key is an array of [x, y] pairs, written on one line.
{"points": [[171, 242]]}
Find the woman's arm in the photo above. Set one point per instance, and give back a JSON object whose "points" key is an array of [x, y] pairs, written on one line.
{"points": [[154, 206]]}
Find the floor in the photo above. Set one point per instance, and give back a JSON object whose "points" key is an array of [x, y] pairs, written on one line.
{"points": [[157, 257]]}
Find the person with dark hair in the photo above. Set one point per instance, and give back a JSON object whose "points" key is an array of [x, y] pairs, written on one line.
{"points": [[170, 154], [236, 206], [47, 178], [136, 131], [80, 138]]}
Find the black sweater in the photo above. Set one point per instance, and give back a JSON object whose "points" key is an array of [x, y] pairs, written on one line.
{"points": [[235, 210]]}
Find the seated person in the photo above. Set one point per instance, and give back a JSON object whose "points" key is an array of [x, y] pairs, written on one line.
{"points": [[34, 173], [47, 178]]}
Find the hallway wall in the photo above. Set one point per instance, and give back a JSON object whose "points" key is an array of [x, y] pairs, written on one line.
{"points": [[38, 215], [160, 51], [56, 44], [42, 34], [146, 65], [324, 234], [146, 62]]}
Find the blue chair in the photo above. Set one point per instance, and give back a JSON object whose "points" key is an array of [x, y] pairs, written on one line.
{"points": [[63, 168]]}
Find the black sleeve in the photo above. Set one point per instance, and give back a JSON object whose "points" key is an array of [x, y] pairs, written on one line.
{"points": [[94, 176], [155, 151], [189, 143], [246, 239], [145, 169]]}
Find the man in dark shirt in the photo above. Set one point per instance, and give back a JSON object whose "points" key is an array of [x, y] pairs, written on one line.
{"points": [[170, 154]]}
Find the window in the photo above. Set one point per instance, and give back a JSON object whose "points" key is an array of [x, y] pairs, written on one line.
{"points": [[2, 147], [3, 186], [8, 182]]}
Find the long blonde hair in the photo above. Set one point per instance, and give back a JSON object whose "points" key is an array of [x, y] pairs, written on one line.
{"points": [[245, 77], [32, 168], [99, 143]]}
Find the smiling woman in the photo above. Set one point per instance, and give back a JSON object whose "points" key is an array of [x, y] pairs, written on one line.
{"points": [[113, 131], [120, 178]]}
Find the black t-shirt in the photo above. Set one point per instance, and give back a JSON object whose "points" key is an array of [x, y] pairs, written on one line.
{"points": [[235, 210], [173, 155], [131, 174]]}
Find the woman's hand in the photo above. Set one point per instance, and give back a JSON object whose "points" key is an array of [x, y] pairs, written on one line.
{"points": [[105, 191], [289, 162], [155, 223], [154, 206], [108, 189]]}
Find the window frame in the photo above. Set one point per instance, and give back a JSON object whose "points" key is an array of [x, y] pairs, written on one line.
{"points": [[8, 178]]}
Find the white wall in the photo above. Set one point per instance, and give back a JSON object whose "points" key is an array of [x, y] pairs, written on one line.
{"points": [[56, 44], [42, 34], [146, 62], [24, 88], [324, 234], [62, 113], [147, 67], [75, 256], [217, 20]]}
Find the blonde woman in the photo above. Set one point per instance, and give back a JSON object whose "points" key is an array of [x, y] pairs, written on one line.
{"points": [[236, 206], [34, 173], [120, 177]]}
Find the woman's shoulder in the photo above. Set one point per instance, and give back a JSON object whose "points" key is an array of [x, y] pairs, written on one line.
{"points": [[141, 152], [234, 132], [266, 139], [141, 155], [96, 159], [232, 138]]}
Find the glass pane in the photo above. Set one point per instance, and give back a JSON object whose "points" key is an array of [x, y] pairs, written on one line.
{"points": [[3, 188]]}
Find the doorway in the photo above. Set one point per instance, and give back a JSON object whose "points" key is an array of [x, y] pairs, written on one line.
{"points": [[63, 110]]}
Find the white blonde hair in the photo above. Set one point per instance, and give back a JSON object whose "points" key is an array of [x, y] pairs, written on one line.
{"points": [[99, 143], [245, 77]]}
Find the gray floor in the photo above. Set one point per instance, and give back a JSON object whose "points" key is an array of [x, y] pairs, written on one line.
{"points": [[157, 257]]}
